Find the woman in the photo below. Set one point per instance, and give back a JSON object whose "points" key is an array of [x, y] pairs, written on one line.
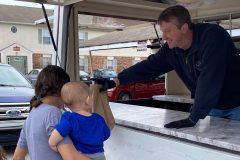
{"points": [[45, 114]]}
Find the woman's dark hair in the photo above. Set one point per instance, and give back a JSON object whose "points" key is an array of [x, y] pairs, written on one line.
{"points": [[2, 154], [49, 82], [178, 13]]}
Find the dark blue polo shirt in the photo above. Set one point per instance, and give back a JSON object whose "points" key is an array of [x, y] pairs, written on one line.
{"points": [[210, 69]]}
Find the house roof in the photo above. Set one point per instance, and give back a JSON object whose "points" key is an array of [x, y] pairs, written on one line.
{"points": [[20, 14], [130, 34], [133, 34]]}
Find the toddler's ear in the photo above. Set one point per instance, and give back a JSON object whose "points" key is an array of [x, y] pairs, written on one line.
{"points": [[88, 99]]}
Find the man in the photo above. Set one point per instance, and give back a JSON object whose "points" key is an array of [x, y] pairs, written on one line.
{"points": [[203, 56]]}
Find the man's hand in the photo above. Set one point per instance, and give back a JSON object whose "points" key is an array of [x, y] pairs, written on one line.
{"points": [[184, 123], [106, 83]]}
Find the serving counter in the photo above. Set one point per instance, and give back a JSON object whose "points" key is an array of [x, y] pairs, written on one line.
{"points": [[140, 134]]}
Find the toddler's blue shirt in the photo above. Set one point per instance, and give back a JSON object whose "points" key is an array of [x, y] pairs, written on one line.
{"points": [[87, 132]]}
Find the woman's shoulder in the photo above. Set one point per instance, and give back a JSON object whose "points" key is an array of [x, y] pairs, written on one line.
{"points": [[46, 109], [52, 109]]}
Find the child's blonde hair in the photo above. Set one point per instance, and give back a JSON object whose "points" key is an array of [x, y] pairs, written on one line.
{"points": [[75, 93]]}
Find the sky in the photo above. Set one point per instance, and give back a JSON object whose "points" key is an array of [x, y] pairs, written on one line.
{"points": [[28, 4]]}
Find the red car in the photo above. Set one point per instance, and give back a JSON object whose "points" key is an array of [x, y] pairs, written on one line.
{"points": [[137, 90]]}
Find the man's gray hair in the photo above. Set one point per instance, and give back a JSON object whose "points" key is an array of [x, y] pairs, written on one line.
{"points": [[178, 13]]}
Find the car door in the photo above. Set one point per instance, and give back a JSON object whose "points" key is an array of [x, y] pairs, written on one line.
{"points": [[156, 87], [147, 89], [141, 90], [32, 76]]}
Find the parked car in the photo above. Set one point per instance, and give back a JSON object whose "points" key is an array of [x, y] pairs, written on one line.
{"points": [[138, 90], [85, 77], [104, 73], [32, 76], [15, 94]]}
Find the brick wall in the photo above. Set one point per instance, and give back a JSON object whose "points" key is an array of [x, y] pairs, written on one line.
{"points": [[36, 60], [123, 62], [98, 62], [40, 60]]}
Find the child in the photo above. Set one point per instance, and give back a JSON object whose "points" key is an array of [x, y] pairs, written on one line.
{"points": [[87, 130]]}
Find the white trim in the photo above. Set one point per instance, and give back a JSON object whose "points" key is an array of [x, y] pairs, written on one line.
{"points": [[110, 58], [40, 21], [110, 46]]}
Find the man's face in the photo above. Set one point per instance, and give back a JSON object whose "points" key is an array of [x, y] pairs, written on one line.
{"points": [[171, 34]]}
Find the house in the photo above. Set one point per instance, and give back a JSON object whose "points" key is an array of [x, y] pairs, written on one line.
{"points": [[119, 49], [26, 42]]}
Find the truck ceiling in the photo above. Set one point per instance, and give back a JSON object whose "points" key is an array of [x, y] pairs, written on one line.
{"points": [[150, 9]]}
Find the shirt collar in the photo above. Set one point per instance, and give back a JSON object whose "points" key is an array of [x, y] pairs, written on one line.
{"points": [[194, 46]]}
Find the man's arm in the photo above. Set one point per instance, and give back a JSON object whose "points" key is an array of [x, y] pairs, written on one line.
{"points": [[155, 65], [69, 152], [20, 153], [54, 139]]}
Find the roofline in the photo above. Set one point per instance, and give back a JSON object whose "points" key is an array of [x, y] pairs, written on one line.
{"points": [[109, 46], [17, 44], [10, 22], [43, 20]]}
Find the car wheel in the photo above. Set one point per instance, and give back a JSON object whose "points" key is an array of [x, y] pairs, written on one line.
{"points": [[124, 96]]}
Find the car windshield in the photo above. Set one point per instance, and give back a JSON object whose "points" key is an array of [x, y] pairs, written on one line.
{"points": [[110, 72], [82, 73], [11, 77]]}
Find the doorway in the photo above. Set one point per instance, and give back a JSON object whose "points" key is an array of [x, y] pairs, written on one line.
{"points": [[18, 62]]}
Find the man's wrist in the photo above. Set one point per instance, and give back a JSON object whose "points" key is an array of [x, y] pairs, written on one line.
{"points": [[193, 120]]}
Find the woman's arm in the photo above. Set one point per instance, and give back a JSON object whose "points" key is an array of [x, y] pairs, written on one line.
{"points": [[69, 152], [20, 153], [54, 139]]}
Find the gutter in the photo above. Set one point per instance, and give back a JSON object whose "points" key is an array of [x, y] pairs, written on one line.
{"points": [[9, 22], [110, 46]]}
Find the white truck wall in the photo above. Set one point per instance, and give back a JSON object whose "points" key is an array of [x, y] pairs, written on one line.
{"points": [[129, 144]]}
